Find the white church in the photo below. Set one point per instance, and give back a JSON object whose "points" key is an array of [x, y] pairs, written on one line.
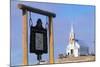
{"points": [[74, 48]]}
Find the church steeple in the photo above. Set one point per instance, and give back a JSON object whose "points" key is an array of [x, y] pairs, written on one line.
{"points": [[72, 35], [72, 30]]}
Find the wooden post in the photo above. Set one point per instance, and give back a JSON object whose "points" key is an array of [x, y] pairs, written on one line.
{"points": [[51, 41], [25, 37]]}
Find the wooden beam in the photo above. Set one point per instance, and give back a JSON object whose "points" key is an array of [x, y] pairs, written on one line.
{"points": [[51, 41], [36, 10], [25, 37]]}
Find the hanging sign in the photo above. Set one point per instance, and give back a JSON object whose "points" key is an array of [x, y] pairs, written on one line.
{"points": [[38, 38]]}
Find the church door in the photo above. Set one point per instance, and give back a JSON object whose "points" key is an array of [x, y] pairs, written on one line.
{"points": [[71, 51]]}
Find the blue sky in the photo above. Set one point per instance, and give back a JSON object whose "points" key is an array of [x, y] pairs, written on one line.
{"points": [[82, 16]]}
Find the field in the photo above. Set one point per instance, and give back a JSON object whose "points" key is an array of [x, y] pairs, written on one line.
{"points": [[75, 59]]}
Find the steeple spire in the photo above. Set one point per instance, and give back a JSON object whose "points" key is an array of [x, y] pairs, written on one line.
{"points": [[72, 28], [71, 38]]}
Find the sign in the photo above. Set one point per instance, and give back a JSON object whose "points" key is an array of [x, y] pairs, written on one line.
{"points": [[38, 38], [39, 41]]}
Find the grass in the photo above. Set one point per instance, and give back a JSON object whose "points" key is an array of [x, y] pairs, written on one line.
{"points": [[76, 59]]}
